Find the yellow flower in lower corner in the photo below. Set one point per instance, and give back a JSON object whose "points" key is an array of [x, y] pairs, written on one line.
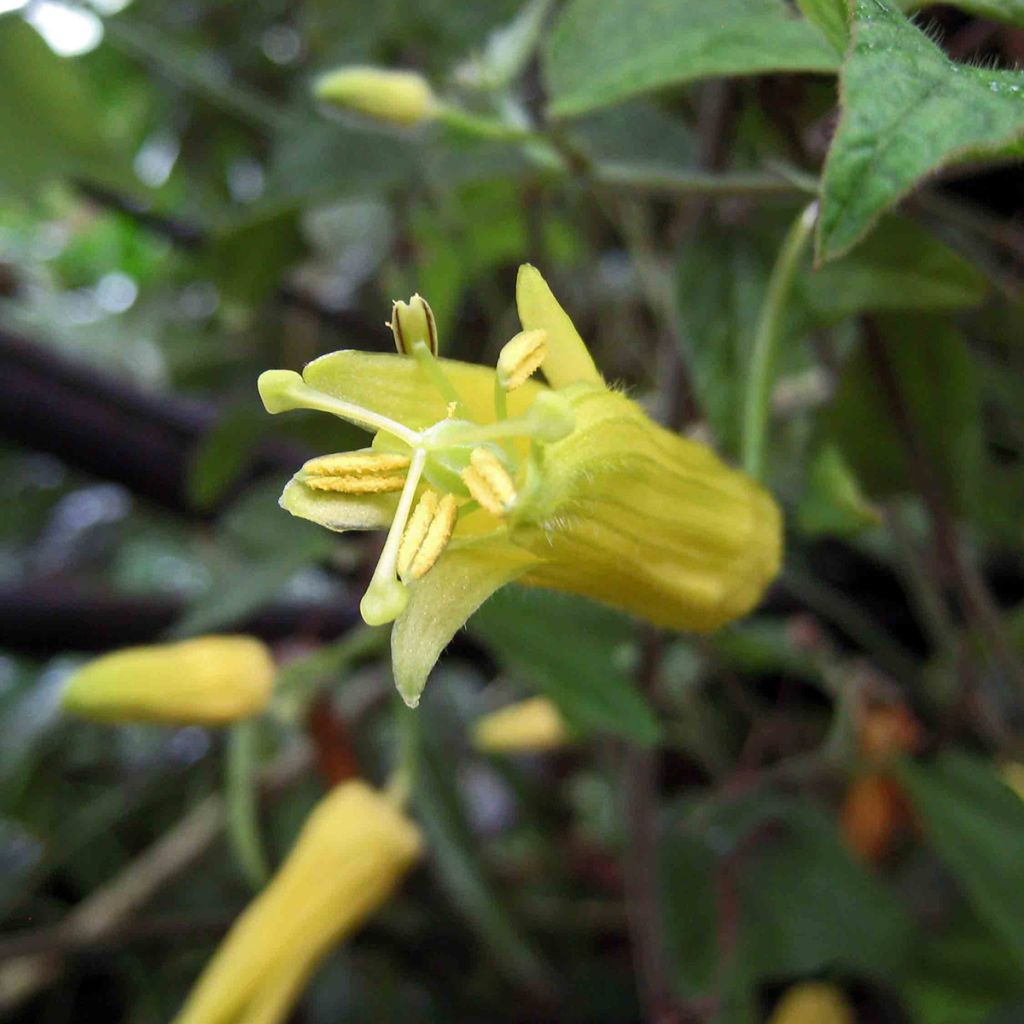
{"points": [[351, 853], [813, 1002], [210, 680], [530, 725], [482, 477]]}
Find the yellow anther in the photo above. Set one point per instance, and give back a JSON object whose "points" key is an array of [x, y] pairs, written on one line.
{"points": [[429, 530], [521, 358], [411, 322], [357, 472], [488, 481]]}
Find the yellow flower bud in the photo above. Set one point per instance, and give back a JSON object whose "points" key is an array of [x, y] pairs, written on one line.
{"points": [[347, 860], [399, 97], [530, 725], [207, 681], [813, 1002]]}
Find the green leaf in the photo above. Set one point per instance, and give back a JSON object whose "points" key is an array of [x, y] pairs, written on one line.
{"points": [[907, 111], [224, 453], [975, 823], [939, 386], [832, 504], [575, 652], [604, 51], [832, 17], [49, 123]]}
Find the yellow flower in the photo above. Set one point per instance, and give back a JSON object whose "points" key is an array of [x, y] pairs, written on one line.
{"points": [[207, 681], [348, 858], [530, 725], [488, 477], [813, 1002]]}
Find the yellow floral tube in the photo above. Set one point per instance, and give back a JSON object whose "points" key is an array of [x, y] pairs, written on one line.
{"points": [[530, 725], [211, 680], [347, 860], [569, 486]]}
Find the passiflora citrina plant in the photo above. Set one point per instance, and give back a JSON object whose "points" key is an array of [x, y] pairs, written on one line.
{"points": [[482, 477]]}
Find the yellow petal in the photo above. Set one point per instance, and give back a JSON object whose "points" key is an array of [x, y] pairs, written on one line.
{"points": [[567, 360], [401, 389], [208, 681], [348, 858], [530, 725], [439, 603], [338, 511]]}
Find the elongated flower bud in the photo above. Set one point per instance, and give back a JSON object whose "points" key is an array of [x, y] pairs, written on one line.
{"points": [[347, 860], [399, 97], [530, 725], [207, 681]]}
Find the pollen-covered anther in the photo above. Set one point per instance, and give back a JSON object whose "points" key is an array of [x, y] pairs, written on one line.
{"points": [[427, 535], [488, 481], [521, 358], [357, 472]]}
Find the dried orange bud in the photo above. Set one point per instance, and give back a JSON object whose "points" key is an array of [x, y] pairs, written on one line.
{"points": [[884, 732], [873, 811]]}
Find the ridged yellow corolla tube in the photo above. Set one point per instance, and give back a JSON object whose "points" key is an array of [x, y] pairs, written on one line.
{"points": [[530, 725], [567, 485], [211, 680], [353, 850]]}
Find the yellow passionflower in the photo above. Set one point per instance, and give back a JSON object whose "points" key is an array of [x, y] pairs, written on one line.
{"points": [[485, 476], [210, 680], [347, 860]]}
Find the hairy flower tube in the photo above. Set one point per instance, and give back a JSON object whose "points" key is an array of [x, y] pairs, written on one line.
{"points": [[210, 680], [486, 476], [347, 860]]}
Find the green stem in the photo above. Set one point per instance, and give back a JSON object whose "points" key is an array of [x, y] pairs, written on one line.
{"points": [[486, 127], [240, 802], [761, 377], [403, 776]]}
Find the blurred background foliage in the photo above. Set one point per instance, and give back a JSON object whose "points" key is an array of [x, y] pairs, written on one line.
{"points": [[816, 793]]}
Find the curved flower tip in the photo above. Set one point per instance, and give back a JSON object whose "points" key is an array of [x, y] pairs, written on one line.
{"points": [[350, 855], [211, 680], [529, 726], [485, 476]]}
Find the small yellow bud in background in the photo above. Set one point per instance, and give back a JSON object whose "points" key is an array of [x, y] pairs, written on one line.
{"points": [[1012, 773], [347, 860], [207, 681], [413, 321], [398, 97], [813, 1002], [530, 725]]}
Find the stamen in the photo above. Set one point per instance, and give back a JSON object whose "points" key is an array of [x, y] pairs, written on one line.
{"points": [[357, 472], [521, 358], [282, 390], [489, 482], [386, 596], [430, 529], [411, 322]]}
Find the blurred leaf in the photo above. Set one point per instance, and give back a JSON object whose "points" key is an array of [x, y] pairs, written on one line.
{"points": [[832, 17], [49, 124], [575, 652], [601, 52], [939, 388], [907, 110], [975, 823], [832, 503], [508, 49], [455, 853], [802, 905], [224, 454], [998, 10]]}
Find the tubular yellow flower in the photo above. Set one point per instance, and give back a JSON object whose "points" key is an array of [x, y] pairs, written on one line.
{"points": [[566, 485], [207, 681], [347, 860], [399, 97], [530, 725], [813, 1002]]}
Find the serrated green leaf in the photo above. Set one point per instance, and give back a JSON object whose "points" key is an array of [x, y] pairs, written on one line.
{"points": [[907, 111], [602, 52], [975, 823], [576, 653], [832, 17]]}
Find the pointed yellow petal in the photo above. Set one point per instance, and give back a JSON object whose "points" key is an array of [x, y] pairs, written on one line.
{"points": [[401, 389], [567, 360], [439, 603]]}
